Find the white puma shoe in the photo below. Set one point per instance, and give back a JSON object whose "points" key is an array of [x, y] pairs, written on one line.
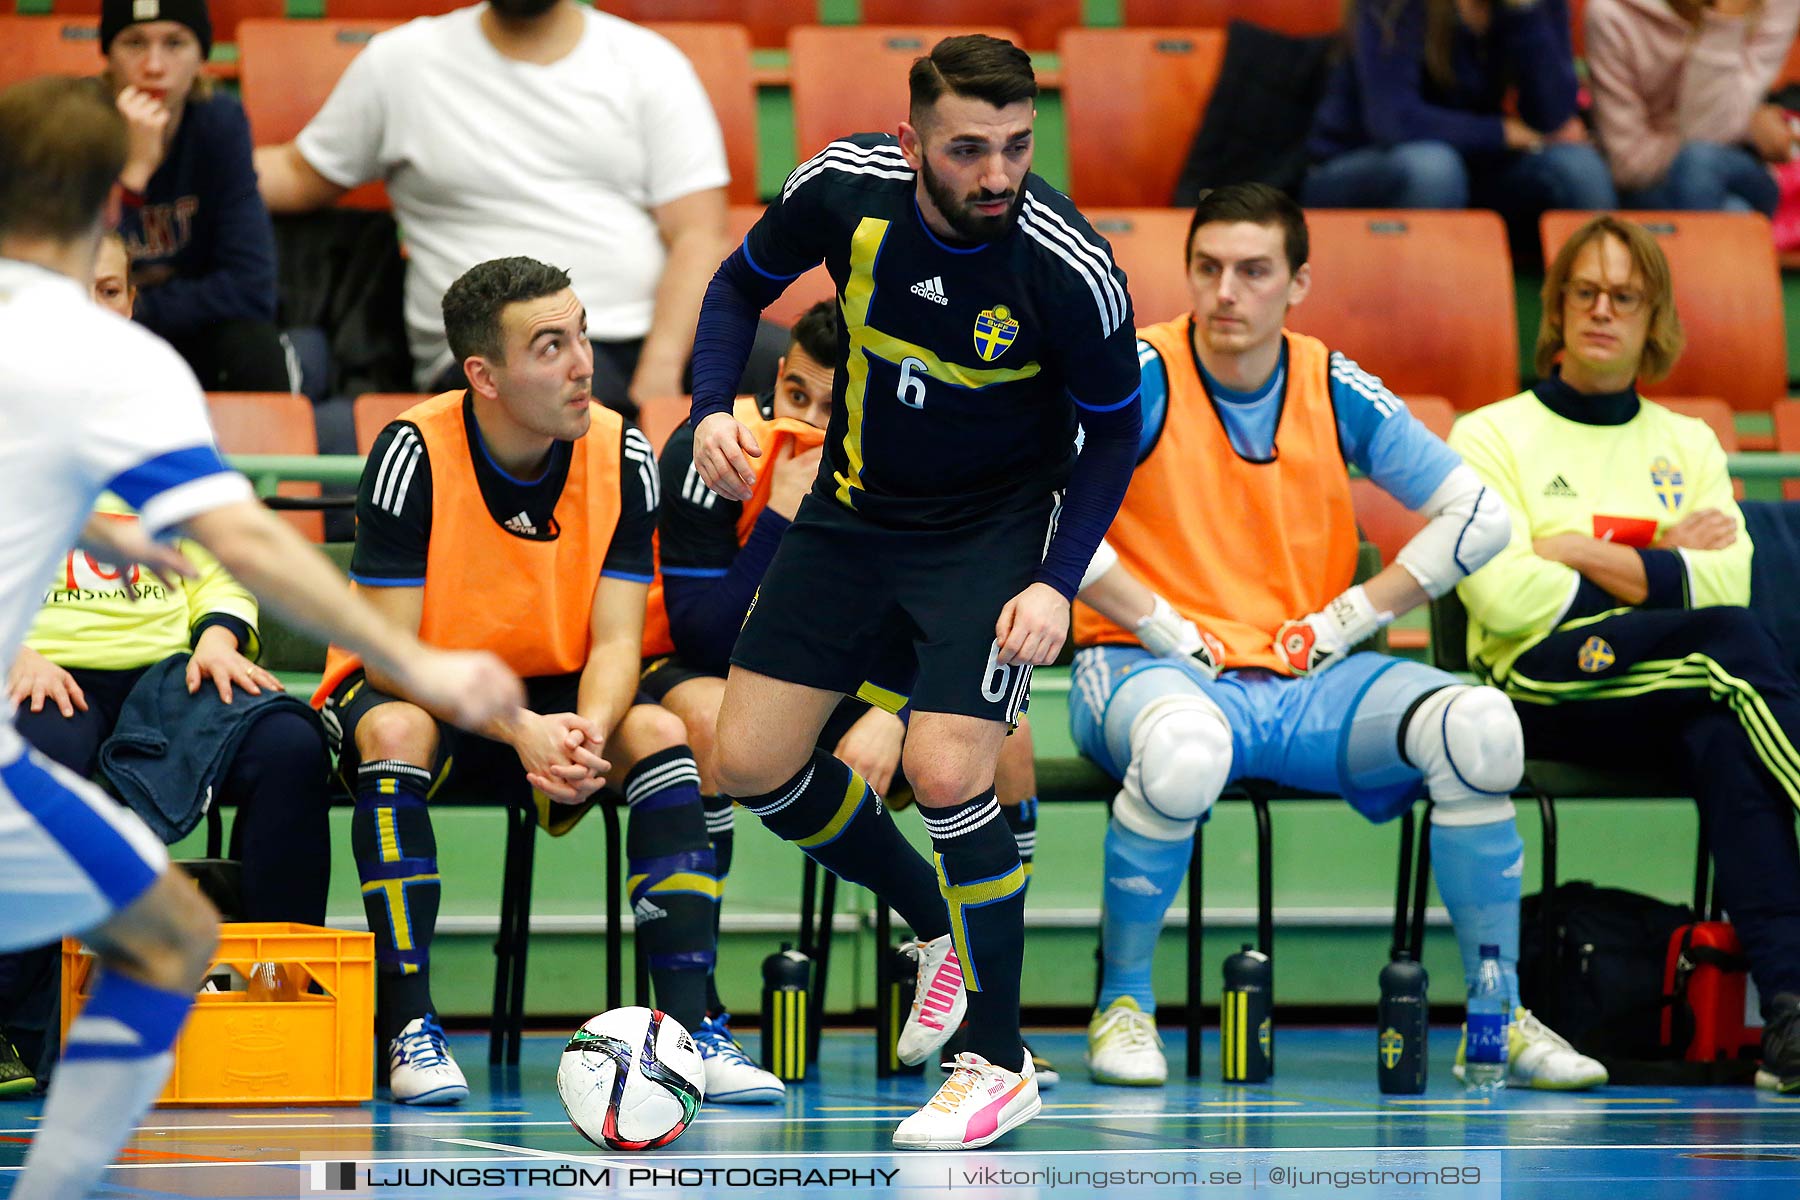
{"points": [[1124, 1048], [938, 1003], [420, 1069], [977, 1104]]}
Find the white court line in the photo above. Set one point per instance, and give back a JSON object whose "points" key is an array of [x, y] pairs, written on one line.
{"points": [[530, 1152], [986, 1151], [1215, 1115], [906, 1156]]}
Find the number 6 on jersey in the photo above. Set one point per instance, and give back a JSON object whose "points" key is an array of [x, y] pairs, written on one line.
{"points": [[911, 389]]}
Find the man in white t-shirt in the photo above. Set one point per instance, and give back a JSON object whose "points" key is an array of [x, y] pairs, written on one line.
{"points": [[90, 402], [540, 128]]}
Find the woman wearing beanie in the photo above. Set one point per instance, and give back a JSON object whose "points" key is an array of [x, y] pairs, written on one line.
{"points": [[202, 248]]}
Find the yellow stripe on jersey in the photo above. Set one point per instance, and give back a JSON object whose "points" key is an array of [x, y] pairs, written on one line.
{"points": [[859, 290], [867, 341]]}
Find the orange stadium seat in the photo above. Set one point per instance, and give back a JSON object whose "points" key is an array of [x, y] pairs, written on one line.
{"points": [[33, 46], [767, 20], [288, 68], [1422, 299], [1127, 143], [660, 416], [1717, 414], [1714, 411], [1383, 519], [372, 411], [225, 14], [1287, 16], [1728, 293], [1039, 22], [720, 53], [1787, 440], [1149, 245], [803, 293], [852, 78], [393, 11], [270, 423]]}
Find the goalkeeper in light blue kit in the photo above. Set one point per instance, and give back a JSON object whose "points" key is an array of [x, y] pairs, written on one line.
{"points": [[1216, 643]]}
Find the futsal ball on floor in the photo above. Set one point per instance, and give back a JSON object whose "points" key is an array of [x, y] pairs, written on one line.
{"points": [[631, 1079]]}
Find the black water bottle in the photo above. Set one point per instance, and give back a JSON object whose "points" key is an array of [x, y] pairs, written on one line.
{"points": [[1246, 1026], [1401, 1027], [787, 975]]}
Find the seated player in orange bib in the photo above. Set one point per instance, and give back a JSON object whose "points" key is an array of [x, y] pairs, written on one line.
{"points": [[1229, 617], [517, 517]]}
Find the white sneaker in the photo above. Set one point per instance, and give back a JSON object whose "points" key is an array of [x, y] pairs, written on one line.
{"points": [[420, 1069], [731, 1078], [1124, 1048], [1539, 1057], [938, 1003], [977, 1104], [1047, 1075]]}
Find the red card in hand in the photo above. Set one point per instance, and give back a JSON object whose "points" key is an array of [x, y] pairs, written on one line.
{"points": [[1627, 531]]}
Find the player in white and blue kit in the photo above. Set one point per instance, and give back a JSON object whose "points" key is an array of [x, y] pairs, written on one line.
{"points": [[1218, 642], [90, 402]]}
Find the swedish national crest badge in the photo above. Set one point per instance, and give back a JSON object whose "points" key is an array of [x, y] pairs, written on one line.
{"points": [[995, 330], [1666, 482], [1595, 655]]}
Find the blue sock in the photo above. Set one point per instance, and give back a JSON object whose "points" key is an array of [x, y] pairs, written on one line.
{"points": [[396, 858], [670, 877], [117, 1058], [1142, 875], [1480, 869]]}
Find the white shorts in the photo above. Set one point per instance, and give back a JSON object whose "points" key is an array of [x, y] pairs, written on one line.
{"points": [[70, 855]]}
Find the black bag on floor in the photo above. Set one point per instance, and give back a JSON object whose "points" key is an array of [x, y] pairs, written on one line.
{"points": [[1604, 991]]}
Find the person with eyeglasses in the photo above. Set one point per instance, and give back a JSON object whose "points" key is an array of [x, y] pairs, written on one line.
{"points": [[1616, 618]]}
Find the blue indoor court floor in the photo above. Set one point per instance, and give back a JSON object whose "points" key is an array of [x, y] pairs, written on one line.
{"points": [[1318, 1129]]}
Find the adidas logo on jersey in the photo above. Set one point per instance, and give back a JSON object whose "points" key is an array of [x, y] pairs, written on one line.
{"points": [[932, 289], [1559, 487], [522, 524]]}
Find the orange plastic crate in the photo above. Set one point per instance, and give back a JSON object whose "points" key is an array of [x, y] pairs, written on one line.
{"points": [[314, 1049]]}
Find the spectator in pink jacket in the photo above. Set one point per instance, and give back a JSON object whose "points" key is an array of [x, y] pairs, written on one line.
{"points": [[1679, 99]]}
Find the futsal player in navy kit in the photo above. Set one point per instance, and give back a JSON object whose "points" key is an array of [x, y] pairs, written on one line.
{"points": [[984, 323]]}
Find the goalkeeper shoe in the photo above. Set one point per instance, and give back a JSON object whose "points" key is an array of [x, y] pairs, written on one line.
{"points": [[1539, 1057]]}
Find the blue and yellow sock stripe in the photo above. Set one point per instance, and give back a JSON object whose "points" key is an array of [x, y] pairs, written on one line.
{"points": [[679, 883], [978, 893], [856, 793], [407, 953]]}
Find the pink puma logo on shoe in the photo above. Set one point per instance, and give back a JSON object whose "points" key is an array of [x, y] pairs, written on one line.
{"points": [[938, 1000], [940, 996]]}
